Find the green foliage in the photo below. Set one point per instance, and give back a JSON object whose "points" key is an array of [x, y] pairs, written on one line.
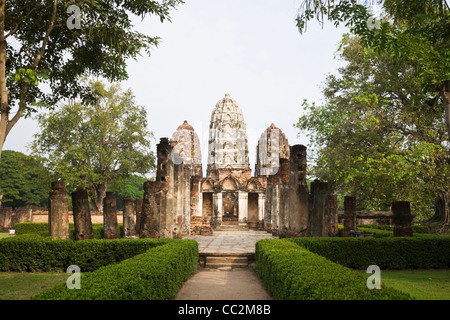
{"points": [[91, 145], [41, 229], [31, 252], [290, 272], [42, 50], [130, 187], [156, 274], [415, 228], [23, 180], [419, 252], [373, 139]]}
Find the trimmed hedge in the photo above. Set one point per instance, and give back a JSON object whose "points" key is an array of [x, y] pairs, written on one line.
{"points": [[31, 252], [290, 272], [417, 229], [424, 252], [41, 228], [157, 274]]}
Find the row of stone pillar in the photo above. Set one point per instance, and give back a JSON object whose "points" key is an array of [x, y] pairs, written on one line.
{"points": [[401, 217], [58, 214]]}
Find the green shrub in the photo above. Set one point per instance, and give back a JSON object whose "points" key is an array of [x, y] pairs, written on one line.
{"points": [[31, 252], [41, 228], [290, 272], [156, 274], [422, 252], [415, 228]]}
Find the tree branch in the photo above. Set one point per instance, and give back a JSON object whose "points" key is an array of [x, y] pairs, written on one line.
{"points": [[38, 57]]}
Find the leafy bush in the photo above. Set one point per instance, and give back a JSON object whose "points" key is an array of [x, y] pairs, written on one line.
{"points": [[425, 251], [41, 228], [417, 228], [156, 274], [31, 252], [290, 272]]}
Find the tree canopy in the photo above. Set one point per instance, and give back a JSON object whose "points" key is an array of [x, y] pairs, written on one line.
{"points": [[24, 180], [39, 51], [380, 136], [92, 145], [416, 30]]}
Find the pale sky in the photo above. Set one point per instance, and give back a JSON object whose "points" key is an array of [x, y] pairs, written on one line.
{"points": [[249, 49]]}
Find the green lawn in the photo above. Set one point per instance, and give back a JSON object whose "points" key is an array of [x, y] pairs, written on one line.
{"points": [[427, 284], [24, 285], [4, 235]]}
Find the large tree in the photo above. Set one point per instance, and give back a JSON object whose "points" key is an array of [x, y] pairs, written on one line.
{"points": [[24, 180], [38, 50], [92, 145], [417, 31], [380, 135]]}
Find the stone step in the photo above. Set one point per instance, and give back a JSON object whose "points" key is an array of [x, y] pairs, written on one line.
{"points": [[226, 261], [235, 227], [230, 222]]}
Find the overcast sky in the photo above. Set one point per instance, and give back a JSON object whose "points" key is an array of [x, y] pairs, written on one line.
{"points": [[249, 49]]}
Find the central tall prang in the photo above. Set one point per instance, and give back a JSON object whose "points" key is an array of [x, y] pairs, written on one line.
{"points": [[228, 147]]}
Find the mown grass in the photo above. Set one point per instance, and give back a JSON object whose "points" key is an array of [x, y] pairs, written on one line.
{"points": [[429, 284], [24, 285], [4, 235]]}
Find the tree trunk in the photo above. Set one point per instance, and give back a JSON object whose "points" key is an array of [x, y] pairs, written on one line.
{"points": [[4, 108], [97, 194], [1, 198], [446, 97], [442, 210]]}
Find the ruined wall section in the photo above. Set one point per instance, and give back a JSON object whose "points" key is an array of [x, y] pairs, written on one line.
{"points": [[168, 201]]}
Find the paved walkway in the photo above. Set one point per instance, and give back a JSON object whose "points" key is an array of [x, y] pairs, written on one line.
{"points": [[226, 283], [230, 241], [213, 284]]}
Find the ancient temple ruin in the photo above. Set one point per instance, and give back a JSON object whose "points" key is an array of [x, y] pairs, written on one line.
{"points": [[275, 198]]}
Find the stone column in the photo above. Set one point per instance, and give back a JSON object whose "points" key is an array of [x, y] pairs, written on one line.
{"points": [[261, 202], [6, 218], [402, 218], [275, 210], [195, 196], [349, 215], [200, 205], [81, 215], [217, 214], [318, 209], [110, 224], [332, 215], [58, 211], [150, 219], [129, 229], [243, 206], [138, 214]]}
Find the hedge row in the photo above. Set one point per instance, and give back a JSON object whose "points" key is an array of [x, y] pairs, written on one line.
{"points": [[417, 229], [290, 272], [41, 228], [422, 252], [157, 274], [34, 253]]}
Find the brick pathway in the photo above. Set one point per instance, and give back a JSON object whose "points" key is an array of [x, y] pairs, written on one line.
{"points": [[226, 283]]}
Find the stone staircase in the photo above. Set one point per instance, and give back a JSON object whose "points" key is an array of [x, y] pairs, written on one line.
{"points": [[225, 260]]}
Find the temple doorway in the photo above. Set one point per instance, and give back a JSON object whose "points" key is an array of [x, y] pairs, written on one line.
{"points": [[252, 209], [230, 206]]}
